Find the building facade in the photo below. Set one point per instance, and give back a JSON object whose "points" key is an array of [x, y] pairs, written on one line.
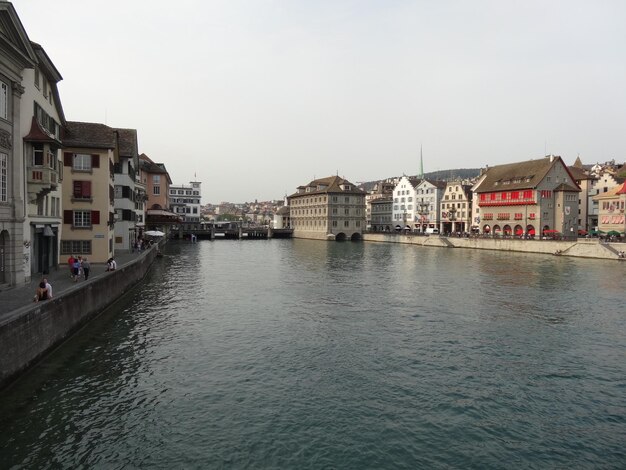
{"points": [[427, 196], [531, 198], [90, 153], [42, 121], [16, 55], [185, 201], [456, 208], [382, 214], [329, 208], [611, 211], [404, 210], [125, 190]]}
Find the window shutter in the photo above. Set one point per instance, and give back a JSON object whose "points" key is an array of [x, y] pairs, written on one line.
{"points": [[86, 188], [95, 217], [67, 158], [95, 161], [68, 217], [78, 186]]}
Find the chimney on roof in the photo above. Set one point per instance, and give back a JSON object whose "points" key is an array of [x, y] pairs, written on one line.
{"points": [[551, 158]]}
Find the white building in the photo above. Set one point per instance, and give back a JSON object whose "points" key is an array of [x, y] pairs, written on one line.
{"points": [[41, 118], [404, 211], [125, 191], [428, 194], [185, 201]]}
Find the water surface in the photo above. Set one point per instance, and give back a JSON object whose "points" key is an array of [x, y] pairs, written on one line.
{"points": [[306, 354]]}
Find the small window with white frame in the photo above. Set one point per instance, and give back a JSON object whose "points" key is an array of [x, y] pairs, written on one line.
{"points": [[81, 162]]}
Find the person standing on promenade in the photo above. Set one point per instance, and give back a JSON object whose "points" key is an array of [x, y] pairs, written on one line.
{"points": [[70, 263], [76, 269], [86, 268]]}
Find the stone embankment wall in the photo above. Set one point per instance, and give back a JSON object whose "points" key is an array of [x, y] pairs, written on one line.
{"points": [[31, 332], [582, 248]]}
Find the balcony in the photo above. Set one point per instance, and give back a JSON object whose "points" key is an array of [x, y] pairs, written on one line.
{"points": [[40, 181]]}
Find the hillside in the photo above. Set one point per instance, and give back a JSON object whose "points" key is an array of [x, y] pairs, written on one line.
{"points": [[441, 175]]}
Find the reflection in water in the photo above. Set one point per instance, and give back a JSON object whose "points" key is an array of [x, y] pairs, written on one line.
{"points": [[307, 354]]}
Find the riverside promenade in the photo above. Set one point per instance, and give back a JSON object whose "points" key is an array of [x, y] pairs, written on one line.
{"points": [[29, 330], [17, 299]]}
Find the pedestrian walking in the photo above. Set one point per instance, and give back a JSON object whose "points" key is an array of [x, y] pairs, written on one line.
{"points": [[76, 269], [86, 268], [70, 263]]}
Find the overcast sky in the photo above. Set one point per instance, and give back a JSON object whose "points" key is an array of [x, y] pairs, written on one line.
{"points": [[258, 97]]}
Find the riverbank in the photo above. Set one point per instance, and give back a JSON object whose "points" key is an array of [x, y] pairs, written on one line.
{"points": [[579, 248], [29, 330]]}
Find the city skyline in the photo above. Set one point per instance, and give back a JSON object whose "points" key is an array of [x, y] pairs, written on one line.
{"points": [[256, 98]]}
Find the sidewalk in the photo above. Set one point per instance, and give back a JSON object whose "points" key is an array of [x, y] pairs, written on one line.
{"points": [[16, 298]]}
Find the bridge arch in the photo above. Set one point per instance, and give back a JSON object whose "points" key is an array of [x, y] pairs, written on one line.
{"points": [[356, 236], [340, 237]]}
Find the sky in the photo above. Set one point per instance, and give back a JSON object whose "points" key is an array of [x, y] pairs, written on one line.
{"points": [[254, 98]]}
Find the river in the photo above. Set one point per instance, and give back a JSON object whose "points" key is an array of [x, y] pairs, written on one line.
{"points": [[306, 354]]}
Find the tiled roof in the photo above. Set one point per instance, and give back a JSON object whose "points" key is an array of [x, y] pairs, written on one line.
{"points": [[38, 134], [566, 188], [330, 184], [127, 142], [521, 175], [579, 174], [89, 135]]}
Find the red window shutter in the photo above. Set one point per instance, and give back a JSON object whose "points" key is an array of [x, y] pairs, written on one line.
{"points": [[78, 186], [67, 158], [95, 161], [95, 217], [68, 217], [86, 188]]}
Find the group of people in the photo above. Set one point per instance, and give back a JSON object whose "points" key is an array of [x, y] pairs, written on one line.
{"points": [[43, 291], [141, 244], [78, 267]]}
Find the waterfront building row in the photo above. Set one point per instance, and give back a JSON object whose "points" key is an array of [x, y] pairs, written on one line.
{"points": [[66, 187]]}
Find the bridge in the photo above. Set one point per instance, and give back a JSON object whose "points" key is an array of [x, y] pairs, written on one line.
{"points": [[227, 230]]}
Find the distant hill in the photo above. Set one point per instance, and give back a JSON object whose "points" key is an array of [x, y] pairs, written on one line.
{"points": [[441, 175]]}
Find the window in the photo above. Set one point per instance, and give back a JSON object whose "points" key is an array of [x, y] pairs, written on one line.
{"points": [[82, 219], [75, 247], [81, 162], [156, 179], [3, 177], [334, 223], [156, 190], [81, 190], [346, 223], [37, 155]]}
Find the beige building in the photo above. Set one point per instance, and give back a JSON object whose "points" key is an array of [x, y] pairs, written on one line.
{"points": [[531, 198], [456, 208], [91, 151], [329, 208], [611, 210]]}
